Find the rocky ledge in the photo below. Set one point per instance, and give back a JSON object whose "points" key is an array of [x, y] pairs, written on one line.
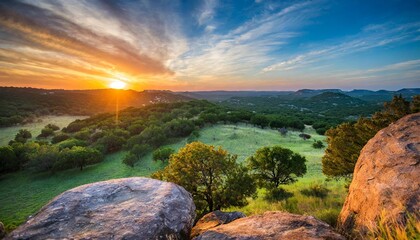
{"points": [[272, 225]]}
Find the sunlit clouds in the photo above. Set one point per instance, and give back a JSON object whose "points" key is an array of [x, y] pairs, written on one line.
{"points": [[201, 45]]}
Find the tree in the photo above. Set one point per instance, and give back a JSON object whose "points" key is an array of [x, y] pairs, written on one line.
{"points": [[140, 150], [211, 175], [111, 142], [77, 157], [162, 154], [260, 120], [347, 139], [59, 138], [318, 144], [23, 135], [130, 159], [43, 159], [53, 127], [272, 166], [8, 160]]}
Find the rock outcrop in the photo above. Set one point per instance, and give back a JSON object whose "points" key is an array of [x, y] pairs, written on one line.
{"points": [[130, 208], [272, 225], [386, 178], [214, 219]]}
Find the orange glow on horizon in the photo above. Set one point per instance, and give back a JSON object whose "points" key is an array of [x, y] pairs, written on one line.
{"points": [[117, 84]]}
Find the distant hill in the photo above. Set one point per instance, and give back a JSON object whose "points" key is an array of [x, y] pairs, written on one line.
{"points": [[224, 95], [22, 104]]}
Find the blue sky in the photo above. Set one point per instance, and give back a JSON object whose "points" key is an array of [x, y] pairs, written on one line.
{"points": [[210, 44]]}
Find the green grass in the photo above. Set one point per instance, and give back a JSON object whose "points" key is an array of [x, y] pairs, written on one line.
{"points": [[8, 133], [23, 193]]}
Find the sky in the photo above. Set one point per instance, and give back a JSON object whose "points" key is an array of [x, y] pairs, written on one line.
{"points": [[210, 45]]}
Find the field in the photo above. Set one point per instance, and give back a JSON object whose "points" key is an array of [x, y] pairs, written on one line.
{"points": [[29, 192], [8, 133]]}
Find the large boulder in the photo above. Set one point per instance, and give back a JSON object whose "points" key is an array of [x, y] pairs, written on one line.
{"points": [[386, 178], [214, 219], [272, 225], [129, 208]]}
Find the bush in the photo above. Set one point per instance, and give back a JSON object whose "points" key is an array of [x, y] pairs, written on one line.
{"points": [[23, 135], [130, 159], [71, 142], [329, 216], [318, 144], [162, 154], [316, 190], [59, 138]]}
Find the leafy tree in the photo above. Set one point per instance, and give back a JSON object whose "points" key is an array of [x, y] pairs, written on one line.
{"points": [[153, 136], [347, 139], [23, 135], [59, 138], [53, 127], [272, 166], [260, 120], [44, 159], [77, 157], [179, 128], [140, 150], [130, 159], [318, 144], [162, 154], [46, 132], [111, 143], [71, 142], [211, 175], [8, 160]]}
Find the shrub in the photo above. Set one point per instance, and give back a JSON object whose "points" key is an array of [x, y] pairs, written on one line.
{"points": [[59, 138], [318, 144], [162, 154]]}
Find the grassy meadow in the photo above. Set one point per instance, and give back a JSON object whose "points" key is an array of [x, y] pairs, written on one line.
{"points": [[8, 133], [23, 193]]}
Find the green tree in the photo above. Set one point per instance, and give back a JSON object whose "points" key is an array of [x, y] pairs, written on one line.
{"points": [[162, 154], [260, 120], [8, 160], [318, 144], [23, 135], [347, 139], [140, 150], [43, 159], [77, 157], [211, 175], [272, 166], [130, 159]]}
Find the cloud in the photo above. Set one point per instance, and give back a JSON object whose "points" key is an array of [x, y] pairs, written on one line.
{"points": [[206, 12], [372, 36], [80, 38], [245, 48]]}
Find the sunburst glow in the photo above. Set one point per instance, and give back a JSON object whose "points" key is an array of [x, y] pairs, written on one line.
{"points": [[117, 84]]}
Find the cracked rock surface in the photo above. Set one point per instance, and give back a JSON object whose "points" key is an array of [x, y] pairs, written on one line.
{"points": [[128, 208]]}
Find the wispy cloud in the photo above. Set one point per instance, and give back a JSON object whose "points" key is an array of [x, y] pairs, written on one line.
{"points": [[247, 47], [81, 39], [372, 36]]}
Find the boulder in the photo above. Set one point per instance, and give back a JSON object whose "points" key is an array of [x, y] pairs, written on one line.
{"points": [[386, 178], [214, 219], [272, 225], [129, 208]]}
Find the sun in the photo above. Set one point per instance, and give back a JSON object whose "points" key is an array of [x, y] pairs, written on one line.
{"points": [[117, 84]]}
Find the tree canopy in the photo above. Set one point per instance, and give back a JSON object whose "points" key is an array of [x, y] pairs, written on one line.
{"points": [[272, 166], [347, 139], [211, 175]]}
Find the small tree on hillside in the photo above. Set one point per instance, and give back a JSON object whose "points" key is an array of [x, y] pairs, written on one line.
{"points": [[273, 166], [162, 154], [23, 135], [211, 175]]}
